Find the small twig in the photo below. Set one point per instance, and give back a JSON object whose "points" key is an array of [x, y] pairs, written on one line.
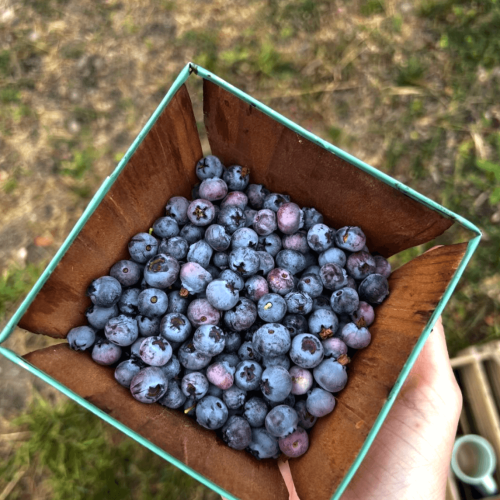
{"points": [[12, 484], [14, 436]]}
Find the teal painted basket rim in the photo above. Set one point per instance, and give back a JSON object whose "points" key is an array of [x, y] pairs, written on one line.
{"points": [[106, 185]]}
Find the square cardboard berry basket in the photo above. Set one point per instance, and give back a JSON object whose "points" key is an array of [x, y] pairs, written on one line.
{"points": [[288, 159]]}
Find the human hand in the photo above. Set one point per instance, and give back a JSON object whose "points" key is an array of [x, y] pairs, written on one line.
{"points": [[411, 454]]}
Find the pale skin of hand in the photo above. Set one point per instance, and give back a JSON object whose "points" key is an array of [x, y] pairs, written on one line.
{"points": [[411, 454]]}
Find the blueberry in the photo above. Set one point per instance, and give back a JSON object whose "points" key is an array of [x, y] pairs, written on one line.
{"points": [[106, 353], [165, 227], [248, 375], [99, 316], [192, 359], [142, 247], [214, 391], [161, 271], [195, 191], [230, 358], [265, 222], [291, 260], [332, 256], [312, 270], [356, 337], [221, 260], [200, 213], [244, 237], [192, 233], [122, 330], [283, 361], [128, 302], [364, 315], [263, 445], [231, 218], [200, 253], [233, 342], [321, 302], [209, 340], [298, 303], [331, 375], [250, 216], [174, 398], [247, 351], [149, 385], [333, 347], [306, 420], [242, 317], [148, 327], [302, 380], [350, 238], [306, 350], [236, 177], [311, 217], [382, 266], [256, 195], [135, 348], [234, 278], [311, 284], [320, 237], [289, 218], [296, 241], [234, 397], [126, 371], [194, 385], [280, 281], [320, 402], [256, 287], [276, 383], [296, 323], [200, 312], [271, 307], [194, 278], [237, 433], [333, 276], [172, 368], [209, 167], [211, 413], [345, 301], [222, 294], [235, 198], [217, 237], [274, 201], [221, 374], [323, 322], [177, 209], [245, 261], [105, 291], [281, 421], [152, 302], [213, 189], [176, 246], [255, 411], [155, 351], [351, 283], [81, 338], [175, 327], [266, 263], [270, 243], [360, 265], [374, 289], [272, 339], [296, 444]]}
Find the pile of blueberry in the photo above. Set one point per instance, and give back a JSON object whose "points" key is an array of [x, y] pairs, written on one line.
{"points": [[240, 309]]}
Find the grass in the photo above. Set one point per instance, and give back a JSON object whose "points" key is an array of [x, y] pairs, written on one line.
{"points": [[16, 282], [74, 454], [429, 77]]}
